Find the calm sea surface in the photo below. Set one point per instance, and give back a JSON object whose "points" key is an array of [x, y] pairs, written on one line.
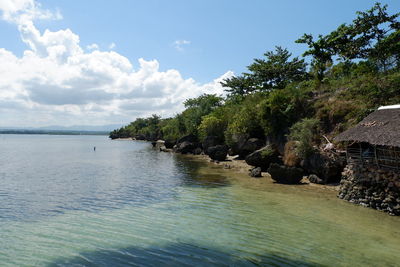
{"points": [[64, 204]]}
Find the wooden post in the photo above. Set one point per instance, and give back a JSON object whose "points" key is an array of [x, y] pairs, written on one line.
{"points": [[376, 157]]}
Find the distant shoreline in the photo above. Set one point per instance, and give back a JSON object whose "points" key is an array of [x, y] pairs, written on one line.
{"points": [[54, 132]]}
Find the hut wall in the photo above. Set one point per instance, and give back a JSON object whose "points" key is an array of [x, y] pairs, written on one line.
{"points": [[372, 187], [380, 156]]}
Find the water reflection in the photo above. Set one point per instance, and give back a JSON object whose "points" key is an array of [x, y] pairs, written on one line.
{"points": [[48, 176], [199, 174]]}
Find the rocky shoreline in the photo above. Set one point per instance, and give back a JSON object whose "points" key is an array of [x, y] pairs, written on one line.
{"points": [[259, 161], [366, 186], [371, 187], [286, 168]]}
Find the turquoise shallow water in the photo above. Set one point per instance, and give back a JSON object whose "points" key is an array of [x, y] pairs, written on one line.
{"points": [[63, 204]]}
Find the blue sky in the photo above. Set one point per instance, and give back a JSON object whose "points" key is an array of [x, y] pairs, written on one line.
{"points": [[201, 40], [223, 34]]}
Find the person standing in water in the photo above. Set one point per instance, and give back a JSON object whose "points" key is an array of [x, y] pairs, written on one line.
{"points": [[94, 148]]}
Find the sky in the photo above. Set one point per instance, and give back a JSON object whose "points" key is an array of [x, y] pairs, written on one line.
{"points": [[108, 62]]}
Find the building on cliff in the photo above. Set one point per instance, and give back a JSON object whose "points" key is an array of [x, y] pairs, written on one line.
{"points": [[372, 175], [376, 139]]}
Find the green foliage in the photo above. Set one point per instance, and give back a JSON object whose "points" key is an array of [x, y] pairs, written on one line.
{"points": [[304, 132], [373, 35], [211, 125], [276, 71], [282, 108], [240, 85], [267, 152], [356, 69], [321, 53], [245, 118], [196, 108], [172, 129]]}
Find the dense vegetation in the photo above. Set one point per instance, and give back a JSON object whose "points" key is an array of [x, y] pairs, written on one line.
{"points": [[351, 71]]}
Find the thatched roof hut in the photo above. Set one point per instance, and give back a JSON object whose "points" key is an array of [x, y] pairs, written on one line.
{"points": [[376, 139], [381, 127]]}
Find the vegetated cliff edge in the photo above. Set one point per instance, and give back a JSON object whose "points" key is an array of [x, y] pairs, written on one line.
{"points": [[282, 115]]}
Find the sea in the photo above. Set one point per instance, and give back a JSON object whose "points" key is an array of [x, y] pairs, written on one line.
{"points": [[91, 201]]}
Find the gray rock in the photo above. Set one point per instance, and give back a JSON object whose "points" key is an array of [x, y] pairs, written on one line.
{"points": [[326, 166], [140, 137], [185, 147], [197, 151], [250, 146], [263, 157], [218, 152], [238, 140], [315, 179], [188, 138], [284, 174], [169, 144], [256, 172], [210, 141]]}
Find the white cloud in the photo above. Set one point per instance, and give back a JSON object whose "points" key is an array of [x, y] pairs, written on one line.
{"points": [[56, 82], [92, 47], [112, 46], [179, 44], [22, 11]]}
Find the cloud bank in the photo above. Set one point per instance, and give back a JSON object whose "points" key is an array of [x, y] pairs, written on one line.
{"points": [[56, 81]]}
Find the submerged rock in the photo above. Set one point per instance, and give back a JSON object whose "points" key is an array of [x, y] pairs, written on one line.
{"points": [[285, 174]]}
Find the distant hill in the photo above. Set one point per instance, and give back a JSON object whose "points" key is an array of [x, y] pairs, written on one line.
{"points": [[104, 128]]}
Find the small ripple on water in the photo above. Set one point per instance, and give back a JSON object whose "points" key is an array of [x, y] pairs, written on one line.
{"points": [[107, 210]]}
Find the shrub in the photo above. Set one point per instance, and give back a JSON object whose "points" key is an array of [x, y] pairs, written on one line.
{"points": [[211, 125], [304, 132]]}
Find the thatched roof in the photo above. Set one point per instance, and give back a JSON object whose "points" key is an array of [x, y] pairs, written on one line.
{"points": [[381, 127]]}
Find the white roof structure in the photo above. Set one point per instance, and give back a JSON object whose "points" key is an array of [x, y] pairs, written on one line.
{"points": [[389, 107]]}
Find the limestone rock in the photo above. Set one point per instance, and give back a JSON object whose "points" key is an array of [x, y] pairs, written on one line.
{"points": [[285, 174], [263, 157], [256, 172], [210, 141], [218, 152]]}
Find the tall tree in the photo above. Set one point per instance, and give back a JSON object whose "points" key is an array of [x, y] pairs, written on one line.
{"points": [[240, 85], [321, 52], [370, 29], [276, 71]]}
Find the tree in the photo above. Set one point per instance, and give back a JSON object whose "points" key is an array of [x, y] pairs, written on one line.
{"points": [[240, 85], [274, 72], [321, 51], [362, 39], [277, 70], [369, 30], [198, 107]]}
